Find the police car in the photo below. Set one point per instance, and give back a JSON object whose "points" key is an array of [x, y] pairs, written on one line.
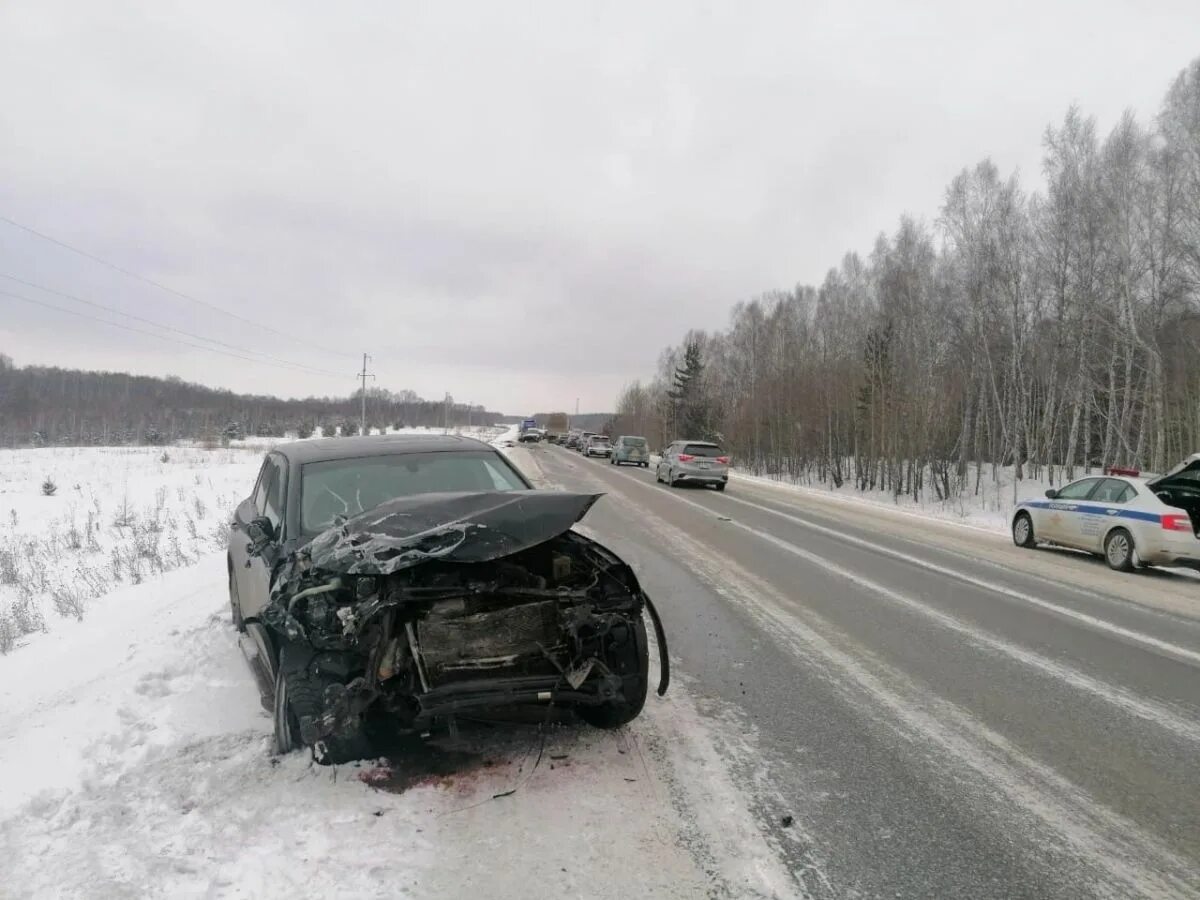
{"points": [[1131, 520]]}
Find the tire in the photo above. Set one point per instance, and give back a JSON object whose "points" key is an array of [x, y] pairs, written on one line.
{"points": [[235, 602], [301, 695], [1119, 551], [634, 667], [1022, 531], [720, 487]]}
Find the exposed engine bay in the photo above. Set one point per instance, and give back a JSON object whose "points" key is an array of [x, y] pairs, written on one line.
{"points": [[432, 606]]}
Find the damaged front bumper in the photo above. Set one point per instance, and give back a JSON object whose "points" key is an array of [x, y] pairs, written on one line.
{"points": [[416, 619]]}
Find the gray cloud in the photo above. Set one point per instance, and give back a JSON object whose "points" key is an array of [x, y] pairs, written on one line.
{"points": [[520, 202]]}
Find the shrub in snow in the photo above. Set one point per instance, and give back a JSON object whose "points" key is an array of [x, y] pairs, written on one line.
{"points": [[165, 458], [328, 430], [49, 487]]}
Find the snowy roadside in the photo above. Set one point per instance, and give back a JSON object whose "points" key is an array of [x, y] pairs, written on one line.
{"points": [[136, 762]]}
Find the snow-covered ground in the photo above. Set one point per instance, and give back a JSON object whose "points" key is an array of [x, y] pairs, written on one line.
{"points": [[991, 509], [136, 760], [118, 516]]}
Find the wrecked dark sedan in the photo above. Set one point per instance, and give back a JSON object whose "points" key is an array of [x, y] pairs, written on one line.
{"points": [[386, 585]]}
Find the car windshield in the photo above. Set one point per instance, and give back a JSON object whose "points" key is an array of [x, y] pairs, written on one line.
{"points": [[340, 488], [709, 451]]}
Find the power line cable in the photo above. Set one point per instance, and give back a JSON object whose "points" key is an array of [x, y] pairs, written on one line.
{"points": [[163, 337], [169, 290], [143, 319]]}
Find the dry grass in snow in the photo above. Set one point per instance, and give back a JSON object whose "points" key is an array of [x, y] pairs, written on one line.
{"points": [[117, 515]]}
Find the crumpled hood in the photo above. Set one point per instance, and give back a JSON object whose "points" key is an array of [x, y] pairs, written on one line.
{"points": [[457, 527]]}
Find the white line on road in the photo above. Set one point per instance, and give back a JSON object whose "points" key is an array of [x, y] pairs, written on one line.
{"points": [[1180, 653]]}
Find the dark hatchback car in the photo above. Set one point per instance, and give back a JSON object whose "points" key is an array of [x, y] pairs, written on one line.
{"points": [[387, 584]]}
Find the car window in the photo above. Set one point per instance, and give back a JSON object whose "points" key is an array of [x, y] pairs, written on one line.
{"points": [[260, 487], [706, 450], [635, 442], [347, 487], [1113, 491], [273, 502], [1078, 490]]}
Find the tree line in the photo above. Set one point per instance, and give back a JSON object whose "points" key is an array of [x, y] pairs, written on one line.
{"points": [[1053, 332], [47, 405]]}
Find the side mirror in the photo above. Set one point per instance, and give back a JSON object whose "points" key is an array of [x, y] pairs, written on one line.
{"points": [[262, 535], [1051, 493]]}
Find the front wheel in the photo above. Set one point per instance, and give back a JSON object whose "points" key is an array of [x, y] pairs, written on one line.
{"points": [[1022, 531], [630, 660], [1119, 550], [299, 695]]}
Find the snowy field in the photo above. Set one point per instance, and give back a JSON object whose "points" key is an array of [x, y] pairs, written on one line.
{"points": [[137, 761], [118, 516]]}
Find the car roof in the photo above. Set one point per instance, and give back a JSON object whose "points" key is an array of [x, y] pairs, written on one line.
{"points": [[324, 449]]}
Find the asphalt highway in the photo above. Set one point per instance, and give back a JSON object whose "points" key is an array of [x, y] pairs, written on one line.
{"points": [[923, 710]]}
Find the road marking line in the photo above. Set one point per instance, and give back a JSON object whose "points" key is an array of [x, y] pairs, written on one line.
{"points": [[1159, 714], [1181, 653]]}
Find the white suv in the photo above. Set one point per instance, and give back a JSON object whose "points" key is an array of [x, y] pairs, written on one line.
{"points": [[693, 462]]}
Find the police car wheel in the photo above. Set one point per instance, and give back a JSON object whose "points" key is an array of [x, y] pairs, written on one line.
{"points": [[1022, 531], [1118, 550]]}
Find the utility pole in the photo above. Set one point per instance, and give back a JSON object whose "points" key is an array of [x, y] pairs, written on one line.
{"points": [[364, 375], [446, 415]]}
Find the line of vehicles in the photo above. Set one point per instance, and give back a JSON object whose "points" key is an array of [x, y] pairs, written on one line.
{"points": [[681, 462]]}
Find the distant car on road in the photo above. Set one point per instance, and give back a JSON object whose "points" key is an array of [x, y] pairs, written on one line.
{"points": [[584, 437], [1130, 520], [530, 436], [693, 462], [571, 441], [598, 445], [630, 449]]}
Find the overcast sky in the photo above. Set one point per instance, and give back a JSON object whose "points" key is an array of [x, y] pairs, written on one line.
{"points": [[518, 203]]}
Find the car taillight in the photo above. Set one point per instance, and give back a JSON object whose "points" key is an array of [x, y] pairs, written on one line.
{"points": [[686, 457], [1176, 522], [723, 460]]}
